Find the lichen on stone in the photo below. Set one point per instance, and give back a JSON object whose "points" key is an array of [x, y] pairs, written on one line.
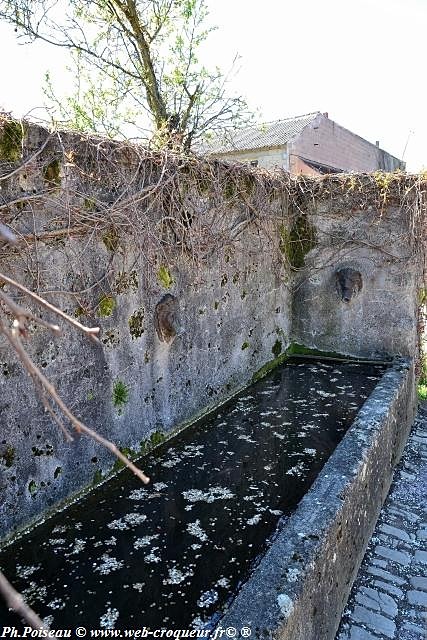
{"points": [[8, 455], [126, 281], [136, 324]]}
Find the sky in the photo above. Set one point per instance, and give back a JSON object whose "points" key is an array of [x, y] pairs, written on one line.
{"points": [[362, 61]]}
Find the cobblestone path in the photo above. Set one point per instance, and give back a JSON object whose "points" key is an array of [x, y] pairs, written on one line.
{"points": [[389, 596]]}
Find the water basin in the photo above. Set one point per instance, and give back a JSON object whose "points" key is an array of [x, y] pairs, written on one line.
{"points": [[175, 553]]}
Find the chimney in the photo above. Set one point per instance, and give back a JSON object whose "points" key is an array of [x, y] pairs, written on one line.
{"points": [[377, 143]]}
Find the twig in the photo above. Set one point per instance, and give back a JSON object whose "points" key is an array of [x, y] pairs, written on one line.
{"points": [[16, 602], [91, 332]]}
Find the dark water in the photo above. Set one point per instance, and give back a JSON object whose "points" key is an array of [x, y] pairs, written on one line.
{"points": [[174, 553]]}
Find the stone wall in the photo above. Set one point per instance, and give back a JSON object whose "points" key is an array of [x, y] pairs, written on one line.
{"points": [[234, 316], [381, 318], [242, 300]]}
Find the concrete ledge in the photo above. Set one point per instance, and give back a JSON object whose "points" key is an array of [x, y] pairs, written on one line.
{"points": [[300, 587]]}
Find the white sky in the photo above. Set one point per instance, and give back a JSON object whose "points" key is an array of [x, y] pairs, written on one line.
{"points": [[364, 62]]}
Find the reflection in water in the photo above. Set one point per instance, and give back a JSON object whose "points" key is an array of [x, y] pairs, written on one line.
{"points": [[172, 554]]}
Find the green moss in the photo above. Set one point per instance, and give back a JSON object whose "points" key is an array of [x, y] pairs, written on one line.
{"points": [[97, 477], [146, 357], [236, 277], [106, 306], [296, 349], [297, 241], [79, 312], [52, 173], [11, 137], [224, 280], [245, 345], [136, 324], [269, 366], [126, 281], [120, 395], [32, 488], [422, 391], [216, 305], [243, 295], [110, 239], [155, 439], [90, 395], [8, 455], [277, 348], [89, 204], [164, 277]]}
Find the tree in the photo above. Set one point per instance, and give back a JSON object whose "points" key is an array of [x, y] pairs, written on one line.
{"points": [[131, 57]]}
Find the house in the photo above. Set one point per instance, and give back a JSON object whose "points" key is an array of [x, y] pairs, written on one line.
{"points": [[311, 144]]}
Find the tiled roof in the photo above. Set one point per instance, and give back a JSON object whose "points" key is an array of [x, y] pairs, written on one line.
{"points": [[268, 134]]}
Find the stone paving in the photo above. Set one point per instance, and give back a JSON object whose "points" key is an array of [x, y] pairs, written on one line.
{"points": [[389, 596]]}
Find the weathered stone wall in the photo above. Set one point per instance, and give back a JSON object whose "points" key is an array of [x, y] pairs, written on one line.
{"points": [[234, 317], [243, 300], [381, 318]]}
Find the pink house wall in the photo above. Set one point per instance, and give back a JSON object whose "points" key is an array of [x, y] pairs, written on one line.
{"points": [[328, 143]]}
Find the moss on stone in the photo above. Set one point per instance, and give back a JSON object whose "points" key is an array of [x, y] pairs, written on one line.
{"points": [[269, 366], [89, 204], [32, 488], [8, 455], [97, 477], [164, 277], [136, 324], [296, 349], [245, 345], [11, 137], [120, 395], [52, 173], [156, 438], [106, 306], [110, 239], [277, 348], [297, 241]]}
